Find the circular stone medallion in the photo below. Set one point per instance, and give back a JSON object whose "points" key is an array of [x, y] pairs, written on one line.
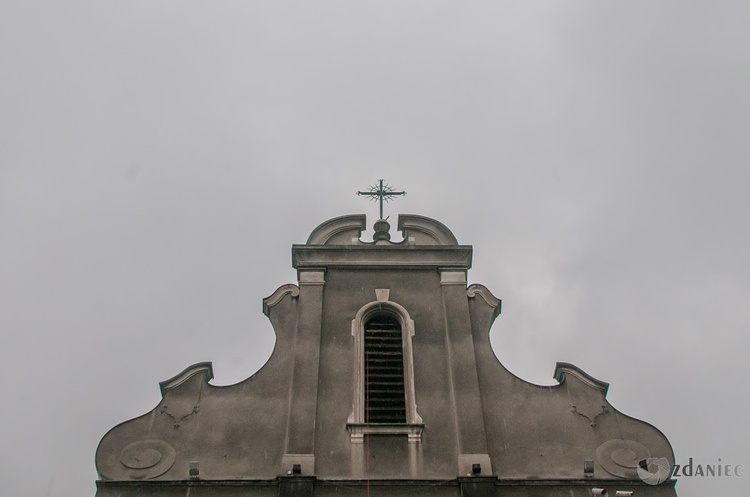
{"points": [[620, 457], [148, 458]]}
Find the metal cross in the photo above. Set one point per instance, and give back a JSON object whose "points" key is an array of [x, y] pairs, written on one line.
{"points": [[381, 192]]}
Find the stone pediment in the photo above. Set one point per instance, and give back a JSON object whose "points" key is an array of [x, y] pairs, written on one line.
{"points": [[347, 230]]}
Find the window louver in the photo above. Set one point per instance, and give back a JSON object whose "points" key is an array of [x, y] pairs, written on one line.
{"points": [[385, 400]]}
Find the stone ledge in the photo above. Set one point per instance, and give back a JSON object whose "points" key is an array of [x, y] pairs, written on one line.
{"points": [[359, 430]]}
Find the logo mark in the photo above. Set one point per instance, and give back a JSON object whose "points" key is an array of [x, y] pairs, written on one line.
{"points": [[654, 470]]}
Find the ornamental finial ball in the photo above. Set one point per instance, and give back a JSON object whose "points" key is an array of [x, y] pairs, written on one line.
{"points": [[382, 231]]}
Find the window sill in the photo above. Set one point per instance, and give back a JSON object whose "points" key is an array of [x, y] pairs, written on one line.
{"points": [[358, 431]]}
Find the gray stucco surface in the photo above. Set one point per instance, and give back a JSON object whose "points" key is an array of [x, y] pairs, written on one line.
{"points": [[298, 408]]}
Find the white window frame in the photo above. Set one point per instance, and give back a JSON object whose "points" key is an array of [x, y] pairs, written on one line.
{"points": [[356, 424]]}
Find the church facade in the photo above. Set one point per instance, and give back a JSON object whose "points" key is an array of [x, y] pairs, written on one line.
{"points": [[383, 382]]}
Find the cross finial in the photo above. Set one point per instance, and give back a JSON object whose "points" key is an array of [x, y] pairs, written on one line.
{"points": [[381, 192]]}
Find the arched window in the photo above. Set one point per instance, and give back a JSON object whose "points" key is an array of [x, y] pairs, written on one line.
{"points": [[384, 397]]}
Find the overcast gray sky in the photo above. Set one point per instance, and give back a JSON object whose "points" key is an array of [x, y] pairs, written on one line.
{"points": [[158, 159]]}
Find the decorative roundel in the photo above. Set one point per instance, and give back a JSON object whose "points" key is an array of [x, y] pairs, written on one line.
{"points": [[148, 458], [621, 457]]}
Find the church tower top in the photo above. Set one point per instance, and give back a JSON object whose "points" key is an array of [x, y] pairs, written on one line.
{"points": [[426, 243]]}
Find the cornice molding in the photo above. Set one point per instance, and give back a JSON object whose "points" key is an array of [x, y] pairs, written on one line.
{"points": [[436, 233], [486, 294], [279, 294], [205, 368], [337, 230], [565, 368], [376, 256]]}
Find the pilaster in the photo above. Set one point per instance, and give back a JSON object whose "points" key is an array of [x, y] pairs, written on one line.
{"points": [[469, 418], [304, 394]]}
